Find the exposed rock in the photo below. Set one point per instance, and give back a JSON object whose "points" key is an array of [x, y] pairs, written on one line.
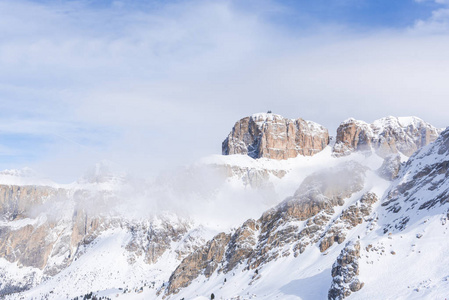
{"points": [[47, 228], [385, 136], [390, 167], [242, 244], [153, 240], [345, 272], [352, 135], [427, 170], [273, 136], [349, 218], [299, 220], [16, 201], [35, 244], [253, 177], [204, 260], [313, 202]]}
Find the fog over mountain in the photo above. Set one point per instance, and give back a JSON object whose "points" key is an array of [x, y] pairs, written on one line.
{"points": [[294, 219], [85, 81], [260, 149]]}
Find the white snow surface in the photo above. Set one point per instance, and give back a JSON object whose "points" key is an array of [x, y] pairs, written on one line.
{"points": [[24, 176], [261, 118], [408, 264]]}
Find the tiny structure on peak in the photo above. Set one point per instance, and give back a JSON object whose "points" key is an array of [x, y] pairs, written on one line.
{"points": [[269, 112]]}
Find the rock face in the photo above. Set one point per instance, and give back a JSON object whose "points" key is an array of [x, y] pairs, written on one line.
{"points": [[50, 240], [152, 241], [203, 261], [345, 272], [427, 170], [39, 240], [297, 222], [349, 218], [273, 136], [17, 200], [385, 136]]}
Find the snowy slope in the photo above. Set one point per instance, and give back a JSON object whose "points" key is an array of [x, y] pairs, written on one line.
{"points": [[287, 244]]}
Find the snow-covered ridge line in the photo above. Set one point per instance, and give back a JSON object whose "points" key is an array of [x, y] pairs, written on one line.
{"points": [[291, 249], [385, 136], [264, 117], [25, 176]]}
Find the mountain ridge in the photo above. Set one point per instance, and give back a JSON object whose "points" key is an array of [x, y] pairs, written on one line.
{"points": [[330, 222]]}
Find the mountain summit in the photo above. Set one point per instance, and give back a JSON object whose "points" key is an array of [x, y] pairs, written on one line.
{"points": [[273, 136], [359, 220], [385, 136]]}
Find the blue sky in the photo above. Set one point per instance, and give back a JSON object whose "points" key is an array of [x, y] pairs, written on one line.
{"points": [[154, 84], [364, 14]]}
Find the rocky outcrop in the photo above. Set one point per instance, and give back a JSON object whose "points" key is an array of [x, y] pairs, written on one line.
{"points": [[203, 261], [427, 170], [385, 136], [48, 228], [36, 243], [348, 219], [297, 222], [223, 253], [345, 272], [273, 136], [242, 244], [151, 240], [16, 201]]}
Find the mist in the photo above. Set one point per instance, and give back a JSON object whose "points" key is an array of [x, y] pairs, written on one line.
{"points": [[156, 87]]}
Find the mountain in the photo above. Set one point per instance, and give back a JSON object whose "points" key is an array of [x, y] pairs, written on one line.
{"points": [[369, 224], [385, 136], [273, 136]]}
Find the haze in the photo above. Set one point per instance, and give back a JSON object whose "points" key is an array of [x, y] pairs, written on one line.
{"points": [[151, 85]]}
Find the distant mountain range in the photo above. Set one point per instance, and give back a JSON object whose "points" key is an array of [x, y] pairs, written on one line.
{"points": [[287, 212]]}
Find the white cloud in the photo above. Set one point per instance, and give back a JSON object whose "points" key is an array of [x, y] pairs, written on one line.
{"points": [[161, 86], [438, 22]]}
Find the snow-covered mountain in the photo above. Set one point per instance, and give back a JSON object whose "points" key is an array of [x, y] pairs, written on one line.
{"points": [[364, 223], [273, 136], [385, 136]]}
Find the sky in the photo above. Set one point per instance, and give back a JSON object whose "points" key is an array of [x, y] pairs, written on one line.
{"points": [[151, 85]]}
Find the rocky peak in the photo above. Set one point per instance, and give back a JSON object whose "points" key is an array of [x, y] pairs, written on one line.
{"points": [[273, 136], [385, 136]]}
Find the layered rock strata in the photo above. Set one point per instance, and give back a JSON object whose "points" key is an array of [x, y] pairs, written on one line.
{"points": [[385, 136], [273, 136]]}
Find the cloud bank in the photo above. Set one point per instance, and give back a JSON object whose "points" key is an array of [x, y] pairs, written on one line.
{"points": [[155, 85]]}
